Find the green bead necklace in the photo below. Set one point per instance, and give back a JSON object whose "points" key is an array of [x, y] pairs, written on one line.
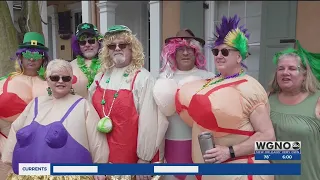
{"points": [[105, 124], [103, 102], [89, 72]]}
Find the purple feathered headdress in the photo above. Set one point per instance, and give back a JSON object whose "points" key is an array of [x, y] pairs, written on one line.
{"points": [[226, 26], [231, 34]]}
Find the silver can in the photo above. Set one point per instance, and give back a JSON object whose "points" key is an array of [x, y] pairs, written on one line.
{"points": [[206, 142]]}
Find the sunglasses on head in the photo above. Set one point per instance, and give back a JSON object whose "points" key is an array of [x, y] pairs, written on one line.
{"points": [[57, 78], [84, 42], [225, 52], [114, 46]]}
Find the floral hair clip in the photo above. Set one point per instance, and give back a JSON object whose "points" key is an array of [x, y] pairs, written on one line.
{"points": [[32, 55]]}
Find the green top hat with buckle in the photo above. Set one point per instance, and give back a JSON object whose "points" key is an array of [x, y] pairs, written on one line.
{"points": [[33, 40], [117, 29]]}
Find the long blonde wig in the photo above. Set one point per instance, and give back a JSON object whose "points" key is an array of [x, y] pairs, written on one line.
{"points": [[310, 84], [17, 67], [136, 48]]}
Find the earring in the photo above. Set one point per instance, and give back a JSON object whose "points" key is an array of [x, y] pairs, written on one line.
{"points": [[49, 91], [72, 91]]}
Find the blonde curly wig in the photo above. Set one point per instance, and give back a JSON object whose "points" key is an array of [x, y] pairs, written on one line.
{"points": [[134, 44]]}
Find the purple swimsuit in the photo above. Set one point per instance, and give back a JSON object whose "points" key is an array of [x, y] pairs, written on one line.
{"points": [[52, 143]]}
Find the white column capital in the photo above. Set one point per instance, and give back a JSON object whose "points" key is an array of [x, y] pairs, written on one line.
{"points": [[52, 10], [105, 6], [153, 2], [107, 12]]}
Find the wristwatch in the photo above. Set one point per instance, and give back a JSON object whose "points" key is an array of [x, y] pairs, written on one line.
{"points": [[231, 150]]}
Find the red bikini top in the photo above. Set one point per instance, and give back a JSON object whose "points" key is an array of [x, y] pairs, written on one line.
{"points": [[200, 110], [10, 103]]}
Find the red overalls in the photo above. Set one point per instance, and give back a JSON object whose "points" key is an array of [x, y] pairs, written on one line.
{"points": [[122, 139], [206, 119]]}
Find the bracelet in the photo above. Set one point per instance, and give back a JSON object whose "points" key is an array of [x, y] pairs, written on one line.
{"points": [[232, 155]]}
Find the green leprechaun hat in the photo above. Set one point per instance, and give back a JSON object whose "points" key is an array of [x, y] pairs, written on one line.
{"points": [[33, 40], [116, 29]]}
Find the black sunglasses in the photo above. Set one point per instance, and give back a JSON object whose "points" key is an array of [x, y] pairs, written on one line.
{"points": [[84, 42], [57, 78], [114, 46], [224, 51]]}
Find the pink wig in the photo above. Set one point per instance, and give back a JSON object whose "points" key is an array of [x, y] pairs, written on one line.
{"points": [[168, 54]]}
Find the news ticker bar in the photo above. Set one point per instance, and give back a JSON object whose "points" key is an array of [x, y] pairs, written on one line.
{"points": [[271, 156], [158, 169], [277, 155]]}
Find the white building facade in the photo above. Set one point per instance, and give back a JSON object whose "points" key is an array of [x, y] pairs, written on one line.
{"points": [[152, 21]]}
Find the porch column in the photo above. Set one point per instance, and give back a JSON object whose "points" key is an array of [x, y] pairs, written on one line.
{"points": [[107, 12], [10, 6], [155, 37], [53, 13], [44, 16], [209, 17], [86, 11], [55, 33]]}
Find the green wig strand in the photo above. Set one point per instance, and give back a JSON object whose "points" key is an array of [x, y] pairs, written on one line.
{"points": [[313, 59]]}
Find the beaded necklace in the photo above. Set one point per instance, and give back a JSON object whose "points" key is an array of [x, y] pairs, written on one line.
{"points": [[89, 72], [210, 82], [105, 123]]}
